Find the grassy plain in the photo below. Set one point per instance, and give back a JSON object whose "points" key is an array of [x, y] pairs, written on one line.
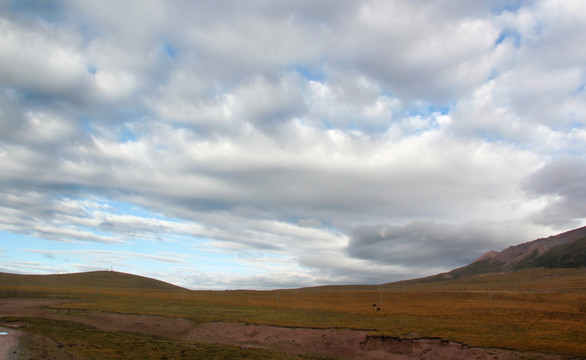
{"points": [[535, 310], [78, 341]]}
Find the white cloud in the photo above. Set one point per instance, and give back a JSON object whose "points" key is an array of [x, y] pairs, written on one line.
{"points": [[417, 54], [114, 85], [277, 137], [260, 43], [550, 29], [41, 57]]}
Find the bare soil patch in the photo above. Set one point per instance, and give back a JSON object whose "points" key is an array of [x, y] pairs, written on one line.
{"points": [[9, 343], [348, 344], [26, 307], [334, 343]]}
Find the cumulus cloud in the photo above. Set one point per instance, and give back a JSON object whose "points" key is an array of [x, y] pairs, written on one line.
{"points": [[42, 58], [294, 143], [425, 56]]}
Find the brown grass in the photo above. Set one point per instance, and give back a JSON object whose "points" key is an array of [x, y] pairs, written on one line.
{"points": [[71, 340], [543, 311]]}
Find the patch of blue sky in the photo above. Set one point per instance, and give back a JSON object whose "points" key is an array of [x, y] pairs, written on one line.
{"points": [[494, 73], [508, 34], [425, 110], [574, 123], [10, 242], [170, 51], [120, 208], [143, 251], [310, 73], [127, 135], [139, 256], [20, 247], [388, 93], [441, 109], [86, 124]]}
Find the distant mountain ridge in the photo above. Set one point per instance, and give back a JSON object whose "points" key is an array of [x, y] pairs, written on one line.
{"points": [[565, 250]]}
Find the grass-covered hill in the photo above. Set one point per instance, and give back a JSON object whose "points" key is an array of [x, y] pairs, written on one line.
{"points": [[565, 250], [570, 255], [530, 263], [94, 279]]}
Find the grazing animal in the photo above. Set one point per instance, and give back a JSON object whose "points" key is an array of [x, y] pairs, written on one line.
{"points": [[377, 309], [374, 305]]}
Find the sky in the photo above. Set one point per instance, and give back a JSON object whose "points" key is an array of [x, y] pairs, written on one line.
{"points": [[274, 144]]}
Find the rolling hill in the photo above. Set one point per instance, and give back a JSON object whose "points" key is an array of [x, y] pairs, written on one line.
{"points": [[102, 279]]}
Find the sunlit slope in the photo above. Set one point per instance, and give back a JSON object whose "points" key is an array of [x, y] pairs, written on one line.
{"points": [[94, 279]]}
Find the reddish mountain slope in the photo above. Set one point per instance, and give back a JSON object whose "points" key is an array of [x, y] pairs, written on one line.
{"points": [[564, 250]]}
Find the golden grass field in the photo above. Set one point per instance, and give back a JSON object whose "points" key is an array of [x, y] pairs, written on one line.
{"points": [[535, 310]]}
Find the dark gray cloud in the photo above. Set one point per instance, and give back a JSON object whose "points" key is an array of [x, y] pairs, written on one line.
{"points": [[422, 244], [561, 183]]}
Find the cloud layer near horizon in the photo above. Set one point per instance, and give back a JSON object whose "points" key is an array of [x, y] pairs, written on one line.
{"points": [[287, 144]]}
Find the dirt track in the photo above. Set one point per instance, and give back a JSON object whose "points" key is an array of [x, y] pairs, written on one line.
{"points": [[9, 344], [335, 343]]}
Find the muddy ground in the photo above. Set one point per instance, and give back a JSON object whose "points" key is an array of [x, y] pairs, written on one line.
{"points": [[334, 343]]}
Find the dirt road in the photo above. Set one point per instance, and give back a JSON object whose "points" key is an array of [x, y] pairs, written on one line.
{"points": [[9, 339]]}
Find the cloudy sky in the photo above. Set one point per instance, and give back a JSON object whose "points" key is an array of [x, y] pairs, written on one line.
{"points": [[271, 144]]}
